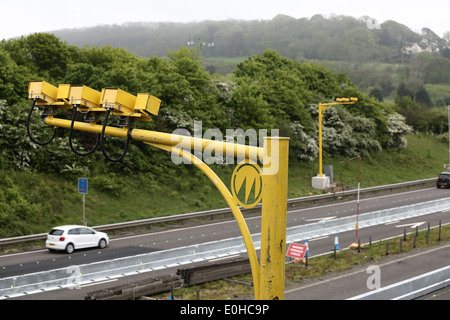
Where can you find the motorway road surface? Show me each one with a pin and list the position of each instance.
(29, 262)
(393, 269)
(443, 294)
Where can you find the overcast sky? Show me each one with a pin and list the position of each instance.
(24, 17)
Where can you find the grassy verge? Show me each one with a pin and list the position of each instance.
(317, 267)
(33, 203)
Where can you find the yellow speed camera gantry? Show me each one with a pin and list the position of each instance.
(91, 104)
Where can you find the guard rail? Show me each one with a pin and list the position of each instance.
(411, 288)
(294, 203)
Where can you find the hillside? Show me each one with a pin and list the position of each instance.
(35, 202)
(377, 58)
(336, 38)
(265, 91)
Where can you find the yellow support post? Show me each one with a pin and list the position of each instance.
(233, 206)
(273, 220)
(269, 277)
(248, 152)
(322, 108)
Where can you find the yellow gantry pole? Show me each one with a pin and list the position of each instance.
(322, 108)
(273, 219)
(321, 112)
(269, 279)
(160, 138)
(233, 206)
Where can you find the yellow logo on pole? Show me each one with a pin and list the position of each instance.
(250, 173)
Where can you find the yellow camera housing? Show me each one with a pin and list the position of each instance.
(46, 94)
(127, 105)
(85, 97)
(147, 104)
(43, 92)
(120, 101)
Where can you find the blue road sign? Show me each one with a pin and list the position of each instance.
(83, 185)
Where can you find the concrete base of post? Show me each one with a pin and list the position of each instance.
(320, 183)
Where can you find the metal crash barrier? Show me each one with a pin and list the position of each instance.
(105, 270)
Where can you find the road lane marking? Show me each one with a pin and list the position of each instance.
(98, 283)
(320, 220)
(320, 238)
(392, 222)
(412, 225)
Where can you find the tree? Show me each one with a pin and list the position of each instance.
(200, 101)
(292, 89)
(437, 71)
(402, 91)
(48, 54)
(376, 93)
(360, 44)
(286, 85)
(13, 79)
(431, 39)
(398, 130)
(23, 154)
(79, 73)
(248, 108)
(422, 97)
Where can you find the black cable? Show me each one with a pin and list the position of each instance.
(29, 132)
(103, 144)
(75, 108)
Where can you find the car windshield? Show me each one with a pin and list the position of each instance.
(56, 232)
(444, 176)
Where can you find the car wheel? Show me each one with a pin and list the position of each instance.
(102, 244)
(70, 248)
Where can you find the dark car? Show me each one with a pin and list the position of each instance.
(443, 180)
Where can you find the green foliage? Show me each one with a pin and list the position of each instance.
(437, 71)
(377, 60)
(13, 78)
(343, 135)
(288, 86)
(334, 38)
(267, 91)
(249, 109)
(422, 97)
(418, 110)
(397, 131)
(16, 150)
(291, 89)
(28, 202)
(439, 94)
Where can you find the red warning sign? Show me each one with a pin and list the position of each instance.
(296, 251)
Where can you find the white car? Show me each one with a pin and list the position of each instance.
(69, 238)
